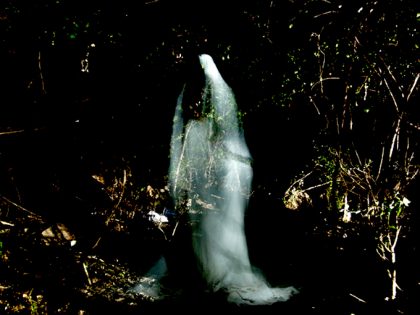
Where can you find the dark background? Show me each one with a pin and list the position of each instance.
(60, 125)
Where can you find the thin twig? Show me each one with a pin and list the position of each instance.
(86, 273)
(395, 138)
(41, 76)
(325, 13)
(122, 189)
(4, 133)
(13, 132)
(297, 181)
(358, 157)
(313, 103)
(380, 164)
(317, 186)
(324, 79)
(178, 168)
(388, 68)
(120, 197)
(97, 242)
(357, 298)
(20, 207)
(394, 100)
(175, 228)
(413, 86)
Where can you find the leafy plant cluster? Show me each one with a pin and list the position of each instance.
(362, 84)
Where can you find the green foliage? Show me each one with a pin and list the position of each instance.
(37, 304)
(392, 210)
(326, 167)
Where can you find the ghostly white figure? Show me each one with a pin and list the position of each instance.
(211, 173)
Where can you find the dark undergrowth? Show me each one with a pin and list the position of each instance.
(81, 266)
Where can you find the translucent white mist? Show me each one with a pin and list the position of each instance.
(210, 174)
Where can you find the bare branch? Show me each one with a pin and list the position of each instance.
(357, 298)
(317, 186)
(325, 13)
(413, 86)
(388, 68)
(395, 138)
(380, 164)
(322, 80)
(394, 100)
(297, 181)
(313, 103)
(21, 208)
(41, 75)
(12, 132)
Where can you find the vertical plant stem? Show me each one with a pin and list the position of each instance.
(393, 264)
